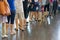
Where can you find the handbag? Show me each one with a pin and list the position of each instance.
(7, 9)
(4, 8)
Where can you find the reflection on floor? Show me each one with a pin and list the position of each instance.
(37, 31)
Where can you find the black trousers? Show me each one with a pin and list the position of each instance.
(26, 11)
(55, 4)
(46, 6)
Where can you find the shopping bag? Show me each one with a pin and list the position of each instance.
(7, 8)
(4, 8)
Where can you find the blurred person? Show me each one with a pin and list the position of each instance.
(34, 9)
(51, 7)
(11, 17)
(3, 20)
(26, 10)
(39, 12)
(46, 6)
(59, 6)
(55, 4)
(20, 15)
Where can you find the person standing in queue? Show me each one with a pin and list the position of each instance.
(20, 15)
(50, 7)
(46, 6)
(55, 5)
(34, 9)
(26, 10)
(11, 17)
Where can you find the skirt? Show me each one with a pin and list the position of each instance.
(3, 19)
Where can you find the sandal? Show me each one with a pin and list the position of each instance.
(13, 33)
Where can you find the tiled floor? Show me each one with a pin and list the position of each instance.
(37, 31)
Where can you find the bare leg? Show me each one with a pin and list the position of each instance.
(12, 30)
(21, 24)
(17, 24)
(31, 15)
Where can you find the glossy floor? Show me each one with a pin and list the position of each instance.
(37, 31)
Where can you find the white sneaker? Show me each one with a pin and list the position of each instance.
(27, 20)
(3, 36)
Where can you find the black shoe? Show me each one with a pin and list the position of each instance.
(16, 29)
(39, 20)
(22, 29)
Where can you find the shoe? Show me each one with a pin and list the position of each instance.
(4, 36)
(16, 29)
(27, 20)
(22, 29)
(13, 33)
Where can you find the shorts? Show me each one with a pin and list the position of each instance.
(20, 15)
(3, 19)
(11, 17)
